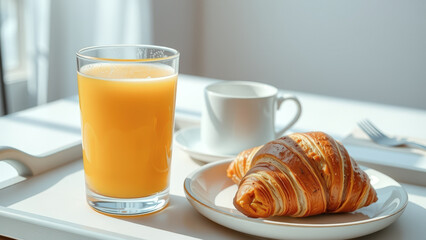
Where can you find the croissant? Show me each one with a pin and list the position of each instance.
(299, 175)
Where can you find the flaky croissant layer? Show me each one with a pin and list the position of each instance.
(299, 175)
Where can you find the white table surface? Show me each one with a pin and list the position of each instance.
(46, 128)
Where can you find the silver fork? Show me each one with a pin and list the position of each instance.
(379, 137)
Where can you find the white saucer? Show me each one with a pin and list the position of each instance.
(188, 139)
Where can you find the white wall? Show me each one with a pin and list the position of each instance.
(178, 24)
(81, 23)
(367, 50)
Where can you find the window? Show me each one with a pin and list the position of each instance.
(12, 43)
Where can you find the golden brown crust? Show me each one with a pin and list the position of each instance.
(242, 163)
(299, 175)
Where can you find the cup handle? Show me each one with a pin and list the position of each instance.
(296, 117)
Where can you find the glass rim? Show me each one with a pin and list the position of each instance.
(80, 53)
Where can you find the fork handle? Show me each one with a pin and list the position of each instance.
(416, 145)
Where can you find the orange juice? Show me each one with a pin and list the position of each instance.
(127, 113)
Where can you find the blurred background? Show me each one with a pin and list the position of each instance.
(365, 50)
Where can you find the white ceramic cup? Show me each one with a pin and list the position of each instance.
(238, 115)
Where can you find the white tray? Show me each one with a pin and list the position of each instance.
(52, 205)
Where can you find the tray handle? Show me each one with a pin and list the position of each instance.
(30, 165)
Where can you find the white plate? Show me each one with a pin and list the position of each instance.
(210, 192)
(188, 139)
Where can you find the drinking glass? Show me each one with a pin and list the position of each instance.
(127, 99)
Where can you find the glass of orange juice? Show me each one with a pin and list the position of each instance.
(127, 99)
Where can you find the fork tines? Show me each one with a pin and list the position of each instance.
(370, 129)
